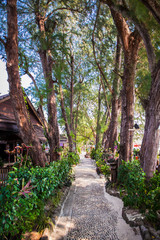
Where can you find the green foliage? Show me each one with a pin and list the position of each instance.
(17, 213)
(96, 153)
(153, 197)
(140, 193)
(28, 188)
(101, 163)
(103, 167)
(73, 158)
(132, 178)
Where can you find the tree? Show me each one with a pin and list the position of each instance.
(46, 28)
(154, 7)
(27, 132)
(130, 42)
(102, 42)
(111, 134)
(150, 141)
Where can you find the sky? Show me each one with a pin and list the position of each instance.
(4, 86)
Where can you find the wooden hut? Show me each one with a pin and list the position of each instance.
(9, 133)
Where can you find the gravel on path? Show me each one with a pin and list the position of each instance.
(89, 213)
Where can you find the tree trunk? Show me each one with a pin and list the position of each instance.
(65, 119)
(130, 41)
(127, 115)
(154, 7)
(24, 124)
(53, 130)
(53, 137)
(150, 143)
(127, 119)
(72, 93)
(71, 100)
(98, 118)
(76, 120)
(111, 134)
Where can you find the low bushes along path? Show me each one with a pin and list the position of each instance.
(89, 213)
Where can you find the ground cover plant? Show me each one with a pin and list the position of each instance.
(23, 198)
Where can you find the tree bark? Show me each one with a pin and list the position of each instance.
(72, 93)
(127, 116)
(111, 133)
(130, 41)
(46, 60)
(24, 124)
(154, 7)
(149, 148)
(76, 120)
(98, 128)
(150, 143)
(66, 120)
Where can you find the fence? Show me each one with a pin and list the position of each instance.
(4, 174)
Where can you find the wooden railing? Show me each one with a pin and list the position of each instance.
(4, 175)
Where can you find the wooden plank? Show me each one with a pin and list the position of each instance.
(4, 175)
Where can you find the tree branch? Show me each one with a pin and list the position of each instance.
(3, 42)
(94, 52)
(145, 36)
(106, 102)
(118, 74)
(154, 8)
(60, 9)
(140, 27)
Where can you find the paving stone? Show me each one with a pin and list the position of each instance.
(87, 214)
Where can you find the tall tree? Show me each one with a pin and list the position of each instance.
(112, 133)
(101, 41)
(27, 132)
(150, 141)
(67, 127)
(130, 42)
(46, 26)
(98, 128)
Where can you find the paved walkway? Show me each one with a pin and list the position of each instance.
(89, 213)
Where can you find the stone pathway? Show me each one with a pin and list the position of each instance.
(89, 213)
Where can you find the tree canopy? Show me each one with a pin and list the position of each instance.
(81, 77)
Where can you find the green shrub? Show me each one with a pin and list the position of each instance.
(153, 197)
(132, 178)
(103, 167)
(73, 158)
(18, 212)
(28, 188)
(140, 193)
(99, 156)
(96, 154)
(92, 154)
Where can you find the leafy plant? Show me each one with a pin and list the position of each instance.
(96, 154)
(140, 193)
(28, 188)
(73, 158)
(153, 197)
(132, 178)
